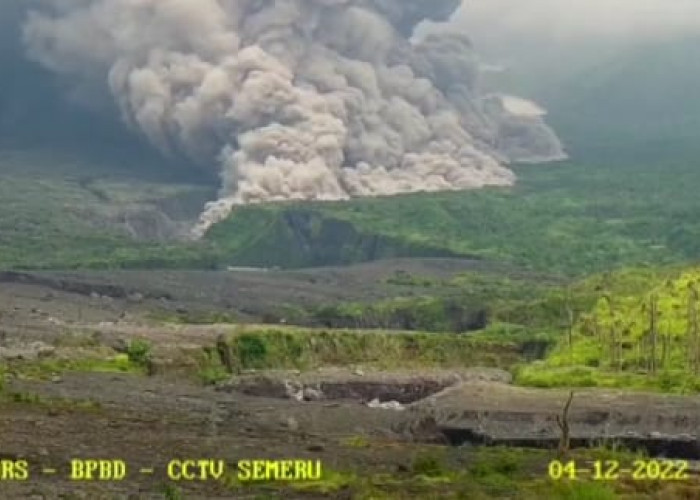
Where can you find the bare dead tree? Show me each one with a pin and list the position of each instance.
(653, 330)
(563, 423)
(225, 354)
(620, 335)
(664, 350)
(693, 333)
(596, 328)
(570, 316)
(613, 340)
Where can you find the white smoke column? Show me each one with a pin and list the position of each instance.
(291, 99)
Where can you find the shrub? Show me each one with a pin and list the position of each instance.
(139, 352)
(428, 464)
(252, 351)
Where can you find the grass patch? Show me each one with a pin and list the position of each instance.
(304, 349)
(356, 442)
(35, 400)
(428, 464)
(48, 368)
(539, 375)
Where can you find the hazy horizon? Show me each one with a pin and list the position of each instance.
(577, 20)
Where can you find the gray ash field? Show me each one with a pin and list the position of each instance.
(76, 388)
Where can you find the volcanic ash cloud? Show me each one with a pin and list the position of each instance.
(294, 99)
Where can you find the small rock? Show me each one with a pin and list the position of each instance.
(43, 452)
(294, 390)
(389, 405)
(310, 394)
(359, 373)
(56, 379)
(94, 295)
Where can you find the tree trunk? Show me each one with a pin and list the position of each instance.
(693, 333)
(563, 423)
(570, 325)
(653, 332)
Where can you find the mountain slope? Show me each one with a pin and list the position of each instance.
(640, 105)
(91, 196)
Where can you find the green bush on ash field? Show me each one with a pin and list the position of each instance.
(139, 352)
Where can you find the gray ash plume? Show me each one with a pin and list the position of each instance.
(293, 99)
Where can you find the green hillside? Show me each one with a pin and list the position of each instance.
(566, 219)
(639, 105)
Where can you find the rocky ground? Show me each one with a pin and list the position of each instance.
(325, 414)
(148, 421)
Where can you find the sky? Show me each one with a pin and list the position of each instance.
(542, 43)
(571, 20)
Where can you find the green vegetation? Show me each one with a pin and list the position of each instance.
(26, 398)
(356, 442)
(642, 333)
(467, 302)
(171, 492)
(434, 314)
(45, 369)
(61, 210)
(304, 349)
(566, 219)
(139, 352)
